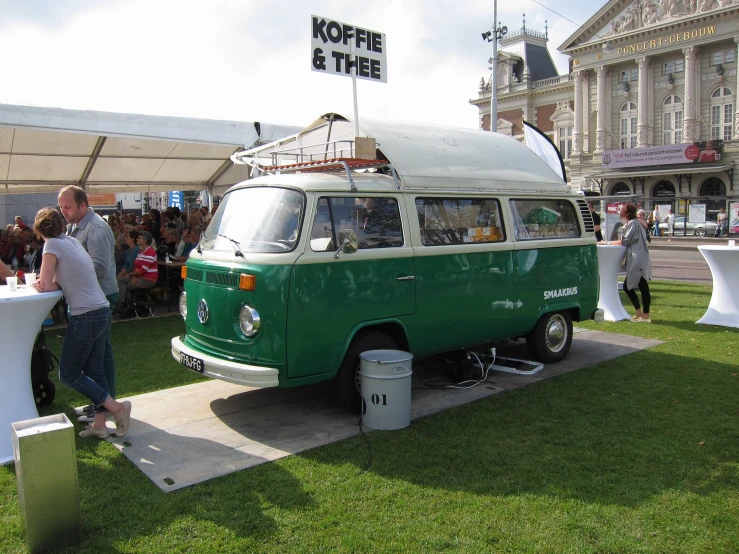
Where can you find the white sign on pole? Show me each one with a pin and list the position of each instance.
(697, 213)
(338, 47)
(664, 211)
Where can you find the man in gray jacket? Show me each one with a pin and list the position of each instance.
(96, 237)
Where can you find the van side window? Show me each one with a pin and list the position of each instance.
(321, 237)
(459, 220)
(544, 218)
(375, 220)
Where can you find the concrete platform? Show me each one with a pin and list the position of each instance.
(186, 435)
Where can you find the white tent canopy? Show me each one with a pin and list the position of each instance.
(43, 149)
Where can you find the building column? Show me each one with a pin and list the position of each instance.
(642, 122)
(736, 106)
(692, 73)
(601, 133)
(577, 131)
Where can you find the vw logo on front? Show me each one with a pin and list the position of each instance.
(202, 311)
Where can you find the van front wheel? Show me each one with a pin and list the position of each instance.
(347, 380)
(550, 340)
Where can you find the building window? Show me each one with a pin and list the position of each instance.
(664, 189)
(722, 113)
(564, 135)
(672, 120)
(722, 57)
(713, 186)
(628, 125)
(504, 127)
(620, 188)
(676, 66)
(629, 75)
(562, 120)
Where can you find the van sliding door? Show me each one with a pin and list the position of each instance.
(464, 274)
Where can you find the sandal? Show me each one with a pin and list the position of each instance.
(92, 432)
(124, 420)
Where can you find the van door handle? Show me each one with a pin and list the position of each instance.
(407, 278)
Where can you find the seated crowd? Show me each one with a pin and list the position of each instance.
(140, 242)
(20, 248)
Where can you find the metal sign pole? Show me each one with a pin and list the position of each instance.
(492, 36)
(494, 76)
(354, 91)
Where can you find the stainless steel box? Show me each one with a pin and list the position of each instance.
(48, 489)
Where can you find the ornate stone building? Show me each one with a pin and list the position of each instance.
(529, 89)
(646, 77)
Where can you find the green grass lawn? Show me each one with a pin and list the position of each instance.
(639, 454)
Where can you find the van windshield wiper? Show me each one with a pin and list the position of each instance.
(236, 244)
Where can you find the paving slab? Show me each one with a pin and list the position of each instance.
(186, 435)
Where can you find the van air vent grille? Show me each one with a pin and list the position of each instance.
(587, 217)
(222, 279)
(194, 274)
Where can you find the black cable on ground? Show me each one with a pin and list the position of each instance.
(369, 448)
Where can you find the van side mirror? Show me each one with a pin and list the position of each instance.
(349, 243)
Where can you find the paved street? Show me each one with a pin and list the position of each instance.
(680, 265)
(680, 260)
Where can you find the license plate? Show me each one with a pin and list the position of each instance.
(196, 364)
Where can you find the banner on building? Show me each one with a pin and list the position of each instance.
(734, 217)
(101, 199)
(176, 199)
(338, 47)
(707, 151)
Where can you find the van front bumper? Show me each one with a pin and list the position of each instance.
(232, 372)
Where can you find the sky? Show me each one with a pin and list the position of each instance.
(250, 60)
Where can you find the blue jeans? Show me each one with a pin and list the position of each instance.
(83, 351)
(108, 359)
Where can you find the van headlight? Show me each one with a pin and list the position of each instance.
(183, 304)
(249, 321)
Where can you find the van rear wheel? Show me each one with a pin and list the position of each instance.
(348, 380)
(550, 340)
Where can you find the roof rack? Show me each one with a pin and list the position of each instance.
(347, 164)
(313, 158)
(314, 152)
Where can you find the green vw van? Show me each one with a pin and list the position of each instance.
(433, 239)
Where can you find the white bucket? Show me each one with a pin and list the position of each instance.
(385, 380)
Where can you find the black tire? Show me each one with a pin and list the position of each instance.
(700, 232)
(551, 339)
(44, 394)
(347, 380)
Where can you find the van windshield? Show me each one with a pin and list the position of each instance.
(256, 219)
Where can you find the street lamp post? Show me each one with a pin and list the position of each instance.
(493, 36)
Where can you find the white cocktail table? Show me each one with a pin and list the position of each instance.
(21, 313)
(610, 257)
(723, 262)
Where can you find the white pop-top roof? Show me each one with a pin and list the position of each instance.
(433, 157)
